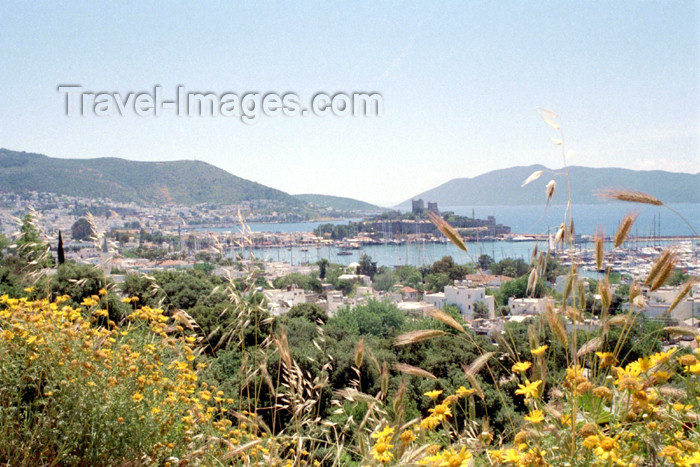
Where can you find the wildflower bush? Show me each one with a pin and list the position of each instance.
(78, 390)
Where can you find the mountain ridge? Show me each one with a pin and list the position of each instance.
(339, 203)
(126, 180)
(503, 186)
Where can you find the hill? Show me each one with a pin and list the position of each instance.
(502, 187)
(181, 182)
(338, 203)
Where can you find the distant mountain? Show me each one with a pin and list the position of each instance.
(338, 203)
(502, 187)
(181, 182)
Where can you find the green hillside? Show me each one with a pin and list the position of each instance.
(181, 182)
(503, 187)
(338, 203)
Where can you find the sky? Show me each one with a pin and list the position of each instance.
(460, 83)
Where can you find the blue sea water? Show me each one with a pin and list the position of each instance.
(535, 219)
(522, 220)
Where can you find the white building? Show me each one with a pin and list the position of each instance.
(436, 299)
(528, 306)
(280, 301)
(465, 298)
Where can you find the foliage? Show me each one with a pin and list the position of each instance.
(82, 230)
(296, 279)
(309, 311)
(87, 395)
(367, 267)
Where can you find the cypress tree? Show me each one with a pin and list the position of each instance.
(61, 255)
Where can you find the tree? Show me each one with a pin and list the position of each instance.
(517, 288)
(446, 265)
(299, 280)
(31, 249)
(61, 254)
(510, 267)
(367, 267)
(437, 281)
(322, 265)
(481, 310)
(82, 230)
(678, 278)
(385, 280)
(309, 311)
(484, 262)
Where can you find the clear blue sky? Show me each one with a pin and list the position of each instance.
(460, 82)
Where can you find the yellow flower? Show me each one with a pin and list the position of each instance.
(539, 350)
(607, 449)
(521, 367)
(606, 358)
(529, 389)
(441, 411)
(452, 458)
(102, 292)
(512, 456)
(29, 289)
(663, 357)
(407, 437)
(429, 423)
(464, 392)
(88, 302)
(687, 360)
(536, 416)
(381, 452)
(137, 397)
(433, 394)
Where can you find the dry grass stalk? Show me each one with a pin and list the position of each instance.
(572, 230)
(534, 253)
(556, 326)
(599, 247)
(475, 384)
(590, 346)
(359, 353)
(635, 291)
(620, 320)
(413, 371)
(532, 282)
(418, 336)
(685, 290)
(398, 397)
(605, 296)
(682, 330)
(447, 230)
(624, 228)
(445, 318)
(674, 393)
(503, 344)
(630, 196)
(550, 122)
(581, 292)
(561, 234)
(547, 113)
(574, 314)
(549, 191)
(384, 380)
(662, 268)
(568, 286)
(533, 176)
(476, 366)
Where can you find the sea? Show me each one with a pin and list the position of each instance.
(652, 221)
